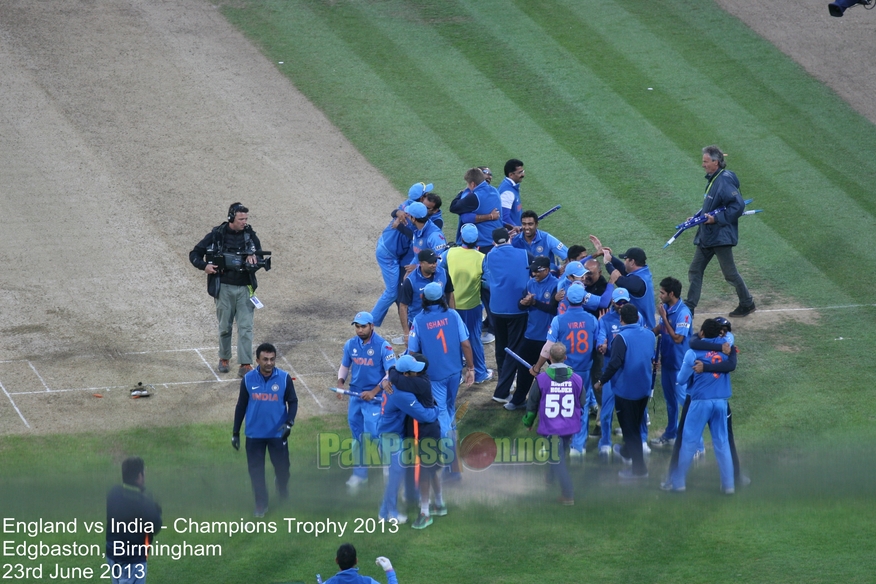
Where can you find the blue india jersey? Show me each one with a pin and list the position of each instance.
(438, 334)
(368, 361)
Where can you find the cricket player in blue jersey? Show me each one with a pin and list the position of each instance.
(537, 303)
(609, 327)
(632, 272)
(576, 330)
(367, 357)
(393, 252)
(708, 393)
(480, 205)
(629, 369)
(346, 560)
(509, 192)
(674, 328)
(539, 243)
(576, 272)
(268, 402)
(397, 405)
(410, 299)
(426, 235)
(439, 333)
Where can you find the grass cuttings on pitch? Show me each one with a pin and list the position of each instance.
(803, 519)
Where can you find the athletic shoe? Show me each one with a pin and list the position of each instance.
(422, 522)
(645, 448)
(400, 518)
(487, 338)
(512, 406)
(605, 453)
(355, 480)
(223, 366)
(437, 510)
(577, 455)
(596, 431)
(260, 512)
(728, 491)
(617, 452)
(741, 311)
(744, 480)
(618, 432)
(662, 441)
(139, 392)
(699, 455)
(501, 400)
(627, 474)
(667, 486)
(244, 369)
(489, 377)
(567, 501)
(398, 340)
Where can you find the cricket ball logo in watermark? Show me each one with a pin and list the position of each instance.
(477, 451)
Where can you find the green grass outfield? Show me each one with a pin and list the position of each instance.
(427, 89)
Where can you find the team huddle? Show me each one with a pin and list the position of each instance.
(578, 331)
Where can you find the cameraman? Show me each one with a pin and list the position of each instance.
(230, 254)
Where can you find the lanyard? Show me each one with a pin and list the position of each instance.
(709, 186)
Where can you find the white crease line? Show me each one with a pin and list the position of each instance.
(292, 369)
(210, 367)
(14, 361)
(329, 361)
(38, 375)
(837, 307)
(111, 387)
(13, 405)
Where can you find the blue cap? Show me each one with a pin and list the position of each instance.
(418, 190)
(575, 293)
(417, 210)
(620, 294)
(469, 233)
(576, 269)
(363, 318)
(407, 363)
(433, 291)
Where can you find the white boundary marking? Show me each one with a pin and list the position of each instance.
(210, 367)
(292, 369)
(13, 405)
(39, 376)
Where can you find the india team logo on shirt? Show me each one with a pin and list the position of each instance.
(370, 352)
(539, 248)
(275, 387)
(546, 294)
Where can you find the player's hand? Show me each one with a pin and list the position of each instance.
(698, 367)
(287, 431)
(602, 348)
(384, 563)
(560, 295)
(725, 348)
(369, 395)
(494, 215)
(469, 377)
(235, 441)
(597, 244)
(597, 386)
(710, 219)
(615, 276)
(533, 371)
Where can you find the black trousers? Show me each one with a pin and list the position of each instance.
(629, 415)
(509, 331)
(278, 450)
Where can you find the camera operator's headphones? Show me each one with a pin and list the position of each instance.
(233, 210)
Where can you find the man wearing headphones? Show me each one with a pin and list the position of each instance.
(229, 256)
